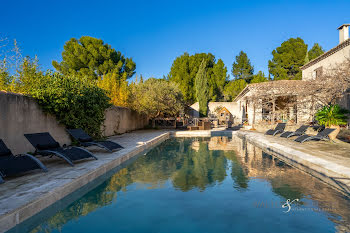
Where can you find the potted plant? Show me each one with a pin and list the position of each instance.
(332, 116)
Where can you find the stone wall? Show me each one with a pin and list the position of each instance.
(120, 120)
(20, 115)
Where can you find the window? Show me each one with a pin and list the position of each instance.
(222, 114)
(318, 72)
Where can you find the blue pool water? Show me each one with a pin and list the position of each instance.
(216, 184)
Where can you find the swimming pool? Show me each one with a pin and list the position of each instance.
(216, 184)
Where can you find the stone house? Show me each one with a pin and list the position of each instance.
(283, 100)
(214, 107)
(224, 115)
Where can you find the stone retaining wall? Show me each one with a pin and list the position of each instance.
(20, 115)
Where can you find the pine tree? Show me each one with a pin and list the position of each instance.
(315, 51)
(242, 68)
(202, 89)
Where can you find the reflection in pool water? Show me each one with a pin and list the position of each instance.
(216, 184)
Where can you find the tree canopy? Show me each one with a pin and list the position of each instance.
(184, 70)
(287, 59)
(92, 57)
(259, 78)
(233, 88)
(156, 97)
(202, 89)
(315, 51)
(242, 68)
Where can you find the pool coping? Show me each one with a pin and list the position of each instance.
(336, 175)
(16, 216)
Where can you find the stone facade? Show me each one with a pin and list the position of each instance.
(232, 107)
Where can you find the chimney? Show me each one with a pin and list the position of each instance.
(343, 33)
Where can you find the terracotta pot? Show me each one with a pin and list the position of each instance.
(334, 134)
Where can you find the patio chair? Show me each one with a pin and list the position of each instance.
(12, 165)
(46, 145)
(85, 140)
(322, 135)
(302, 129)
(279, 129)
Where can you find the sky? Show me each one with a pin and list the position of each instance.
(154, 33)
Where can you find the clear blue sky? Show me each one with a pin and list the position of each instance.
(154, 33)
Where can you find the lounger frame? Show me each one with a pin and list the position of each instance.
(77, 133)
(57, 151)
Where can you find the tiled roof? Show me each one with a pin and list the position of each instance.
(278, 85)
(327, 54)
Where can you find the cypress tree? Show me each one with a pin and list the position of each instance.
(202, 89)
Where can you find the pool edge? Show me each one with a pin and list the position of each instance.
(11, 219)
(317, 167)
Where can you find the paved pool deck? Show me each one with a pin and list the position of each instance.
(329, 161)
(24, 196)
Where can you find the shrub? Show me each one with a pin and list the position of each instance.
(331, 115)
(76, 102)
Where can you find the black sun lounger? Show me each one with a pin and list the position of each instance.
(279, 129)
(13, 165)
(297, 132)
(323, 135)
(85, 140)
(46, 145)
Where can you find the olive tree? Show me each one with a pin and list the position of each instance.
(156, 98)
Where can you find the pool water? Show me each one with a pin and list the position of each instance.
(216, 184)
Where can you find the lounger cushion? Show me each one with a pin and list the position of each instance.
(48, 146)
(270, 132)
(286, 134)
(12, 165)
(301, 138)
(110, 145)
(85, 139)
(74, 153)
(5, 152)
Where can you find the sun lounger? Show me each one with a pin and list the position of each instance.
(279, 129)
(302, 129)
(323, 135)
(85, 140)
(13, 165)
(46, 145)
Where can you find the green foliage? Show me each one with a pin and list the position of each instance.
(217, 81)
(306, 60)
(156, 97)
(242, 68)
(184, 70)
(259, 78)
(233, 88)
(332, 115)
(287, 59)
(315, 51)
(91, 57)
(76, 102)
(202, 89)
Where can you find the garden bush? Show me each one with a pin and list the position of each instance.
(76, 102)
